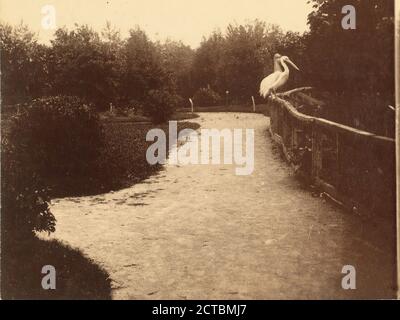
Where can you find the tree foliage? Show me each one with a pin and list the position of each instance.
(177, 59)
(23, 65)
(356, 66)
(237, 60)
(99, 68)
(359, 60)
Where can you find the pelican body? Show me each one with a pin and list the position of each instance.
(278, 78)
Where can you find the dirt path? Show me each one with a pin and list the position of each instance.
(201, 232)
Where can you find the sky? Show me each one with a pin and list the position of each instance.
(185, 20)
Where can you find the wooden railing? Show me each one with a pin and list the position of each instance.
(354, 167)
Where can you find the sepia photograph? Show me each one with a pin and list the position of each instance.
(206, 150)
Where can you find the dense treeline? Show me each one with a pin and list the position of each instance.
(104, 69)
(101, 69)
(351, 69)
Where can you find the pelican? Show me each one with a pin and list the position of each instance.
(278, 78)
(277, 64)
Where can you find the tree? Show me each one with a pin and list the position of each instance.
(24, 70)
(144, 68)
(82, 65)
(355, 66)
(178, 58)
(237, 60)
(207, 64)
(292, 44)
(330, 46)
(113, 46)
(247, 57)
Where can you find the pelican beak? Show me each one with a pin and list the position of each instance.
(293, 65)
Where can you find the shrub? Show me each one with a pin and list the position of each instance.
(160, 105)
(180, 102)
(48, 141)
(205, 97)
(24, 199)
(58, 136)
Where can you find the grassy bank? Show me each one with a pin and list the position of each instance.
(109, 117)
(260, 108)
(122, 162)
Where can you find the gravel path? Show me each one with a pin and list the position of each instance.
(201, 232)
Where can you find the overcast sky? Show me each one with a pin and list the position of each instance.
(186, 20)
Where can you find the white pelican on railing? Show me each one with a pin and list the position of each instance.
(278, 78)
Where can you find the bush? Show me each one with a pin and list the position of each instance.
(24, 198)
(58, 136)
(160, 105)
(180, 102)
(206, 97)
(48, 141)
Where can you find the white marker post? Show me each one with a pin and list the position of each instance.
(191, 105)
(254, 104)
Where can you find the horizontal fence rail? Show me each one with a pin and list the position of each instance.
(352, 166)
